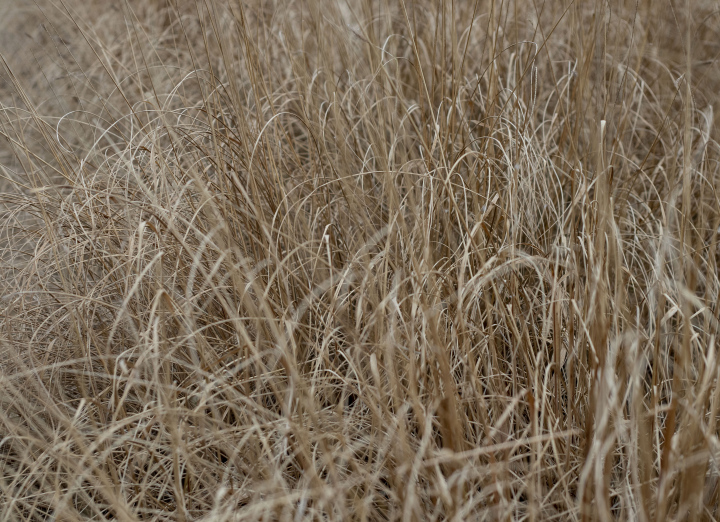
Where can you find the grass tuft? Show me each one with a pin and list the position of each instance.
(328, 260)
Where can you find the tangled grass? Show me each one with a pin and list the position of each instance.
(327, 260)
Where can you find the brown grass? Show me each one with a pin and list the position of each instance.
(328, 260)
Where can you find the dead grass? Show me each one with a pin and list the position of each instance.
(410, 260)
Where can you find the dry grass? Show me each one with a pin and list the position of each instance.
(369, 260)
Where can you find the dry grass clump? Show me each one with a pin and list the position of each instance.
(360, 261)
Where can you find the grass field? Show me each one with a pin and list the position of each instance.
(359, 260)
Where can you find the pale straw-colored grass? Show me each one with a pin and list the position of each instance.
(327, 260)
